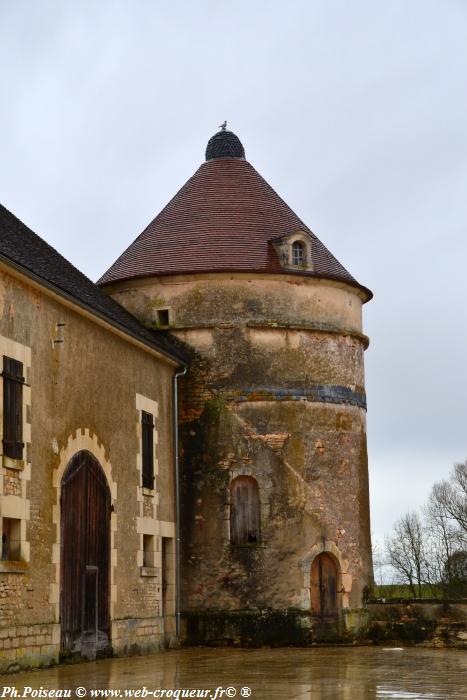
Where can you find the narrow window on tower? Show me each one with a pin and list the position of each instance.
(298, 253)
(244, 511)
(13, 381)
(147, 431)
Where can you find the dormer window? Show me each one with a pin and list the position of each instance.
(298, 253)
(294, 251)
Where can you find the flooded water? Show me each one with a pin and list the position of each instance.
(349, 673)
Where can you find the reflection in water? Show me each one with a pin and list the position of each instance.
(403, 694)
(346, 673)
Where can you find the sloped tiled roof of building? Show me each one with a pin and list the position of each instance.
(24, 249)
(223, 219)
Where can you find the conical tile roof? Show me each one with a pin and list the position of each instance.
(223, 219)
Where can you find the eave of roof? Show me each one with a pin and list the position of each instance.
(367, 294)
(25, 252)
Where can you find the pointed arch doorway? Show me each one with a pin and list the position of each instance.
(85, 507)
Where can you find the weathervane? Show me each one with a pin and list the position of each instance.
(223, 126)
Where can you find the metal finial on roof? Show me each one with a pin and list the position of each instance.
(223, 126)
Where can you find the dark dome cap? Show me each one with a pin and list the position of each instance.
(224, 144)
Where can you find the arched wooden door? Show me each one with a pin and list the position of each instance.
(324, 577)
(85, 557)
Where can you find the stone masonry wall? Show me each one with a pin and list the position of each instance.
(26, 646)
(276, 393)
(426, 623)
(137, 636)
(82, 384)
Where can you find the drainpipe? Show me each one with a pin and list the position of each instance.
(177, 502)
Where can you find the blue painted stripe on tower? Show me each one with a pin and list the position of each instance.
(323, 393)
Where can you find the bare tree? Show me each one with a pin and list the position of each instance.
(451, 497)
(378, 565)
(406, 552)
(458, 574)
(446, 513)
(443, 541)
(434, 554)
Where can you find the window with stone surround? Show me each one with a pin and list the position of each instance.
(148, 550)
(15, 471)
(294, 251)
(162, 318)
(244, 511)
(11, 539)
(13, 381)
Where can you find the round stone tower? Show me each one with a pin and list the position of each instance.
(275, 511)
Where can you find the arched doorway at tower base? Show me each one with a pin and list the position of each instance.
(324, 596)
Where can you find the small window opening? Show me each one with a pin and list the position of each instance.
(298, 253)
(147, 429)
(162, 317)
(11, 539)
(244, 511)
(148, 550)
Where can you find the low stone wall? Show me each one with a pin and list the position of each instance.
(33, 646)
(427, 623)
(29, 646)
(137, 636)
(247, 628)
(431, 623)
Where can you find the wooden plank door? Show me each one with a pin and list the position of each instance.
(244, 511)
(85, 555)
(324, 586)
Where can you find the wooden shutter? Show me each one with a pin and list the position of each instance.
(244, 511)
(147, 425)
(13, 381)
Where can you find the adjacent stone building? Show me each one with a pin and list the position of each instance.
(232, 298)
(275, 511)
(87, 538)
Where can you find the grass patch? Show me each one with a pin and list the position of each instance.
(401, 590)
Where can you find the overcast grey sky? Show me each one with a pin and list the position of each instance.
(355, 112)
